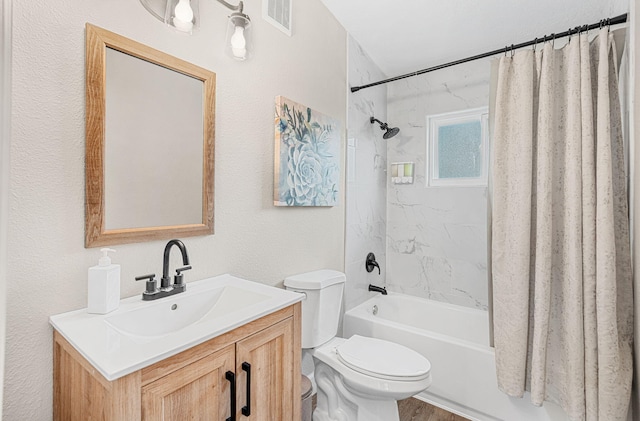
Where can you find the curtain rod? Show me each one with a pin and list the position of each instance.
(605, 22)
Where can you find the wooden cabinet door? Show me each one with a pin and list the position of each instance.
(196, 392)
(270, 354)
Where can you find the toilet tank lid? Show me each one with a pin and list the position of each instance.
(315, 280)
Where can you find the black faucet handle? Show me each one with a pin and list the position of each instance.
(151, 282)
(182, 269)
(371, 263)
(375, 264)
(178, 280)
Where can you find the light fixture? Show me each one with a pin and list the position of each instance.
(238, 33)
(183, 15)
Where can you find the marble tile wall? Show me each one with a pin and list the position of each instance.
(430, 241)
(436, 236)
(366, 200)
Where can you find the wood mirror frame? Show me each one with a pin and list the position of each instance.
(97, 41)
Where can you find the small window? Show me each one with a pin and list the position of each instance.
(457, 148)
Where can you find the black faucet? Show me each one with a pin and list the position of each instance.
(166, 289)
(165, 280)
(374, 288)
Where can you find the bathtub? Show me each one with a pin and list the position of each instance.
(455, 339)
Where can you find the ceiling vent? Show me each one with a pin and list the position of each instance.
(278, 13)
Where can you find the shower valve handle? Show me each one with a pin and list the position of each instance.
(371, 263)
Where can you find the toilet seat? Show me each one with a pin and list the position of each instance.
(367, 385)
(383, 359)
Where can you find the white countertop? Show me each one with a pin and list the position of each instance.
(115, 353)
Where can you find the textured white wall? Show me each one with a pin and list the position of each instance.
(366, 178)
(436, 236)
(5, 135)
(634, 191)
(47, 262)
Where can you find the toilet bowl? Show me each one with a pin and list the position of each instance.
(359, 378)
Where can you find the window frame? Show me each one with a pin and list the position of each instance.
(434, 122)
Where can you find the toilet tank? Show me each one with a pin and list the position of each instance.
(322, 305)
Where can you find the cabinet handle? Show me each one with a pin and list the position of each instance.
(246, 410)
(229, 375)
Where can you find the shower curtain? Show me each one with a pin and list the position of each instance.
(561, 264)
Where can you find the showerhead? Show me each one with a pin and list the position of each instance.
(390, 131)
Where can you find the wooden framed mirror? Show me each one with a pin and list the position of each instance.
(149, 143)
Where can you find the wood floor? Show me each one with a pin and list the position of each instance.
(415, 410)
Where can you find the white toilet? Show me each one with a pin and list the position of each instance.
(360, 378)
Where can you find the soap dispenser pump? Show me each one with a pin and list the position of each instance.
(104, 285)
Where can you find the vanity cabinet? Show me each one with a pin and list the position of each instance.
(197, 391)
(262, 358)
(268, 353)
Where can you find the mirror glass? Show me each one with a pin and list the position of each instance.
(149, 143)
(153, 138)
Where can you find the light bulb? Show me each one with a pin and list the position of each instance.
(183, 16)
(238, 43)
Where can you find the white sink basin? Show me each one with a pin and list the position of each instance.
(173, 313)
(140, 333)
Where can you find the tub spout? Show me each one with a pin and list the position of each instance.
(374, 288)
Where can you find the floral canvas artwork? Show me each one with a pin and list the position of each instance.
(307, 156)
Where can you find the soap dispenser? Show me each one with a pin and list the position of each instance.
(104, 285)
